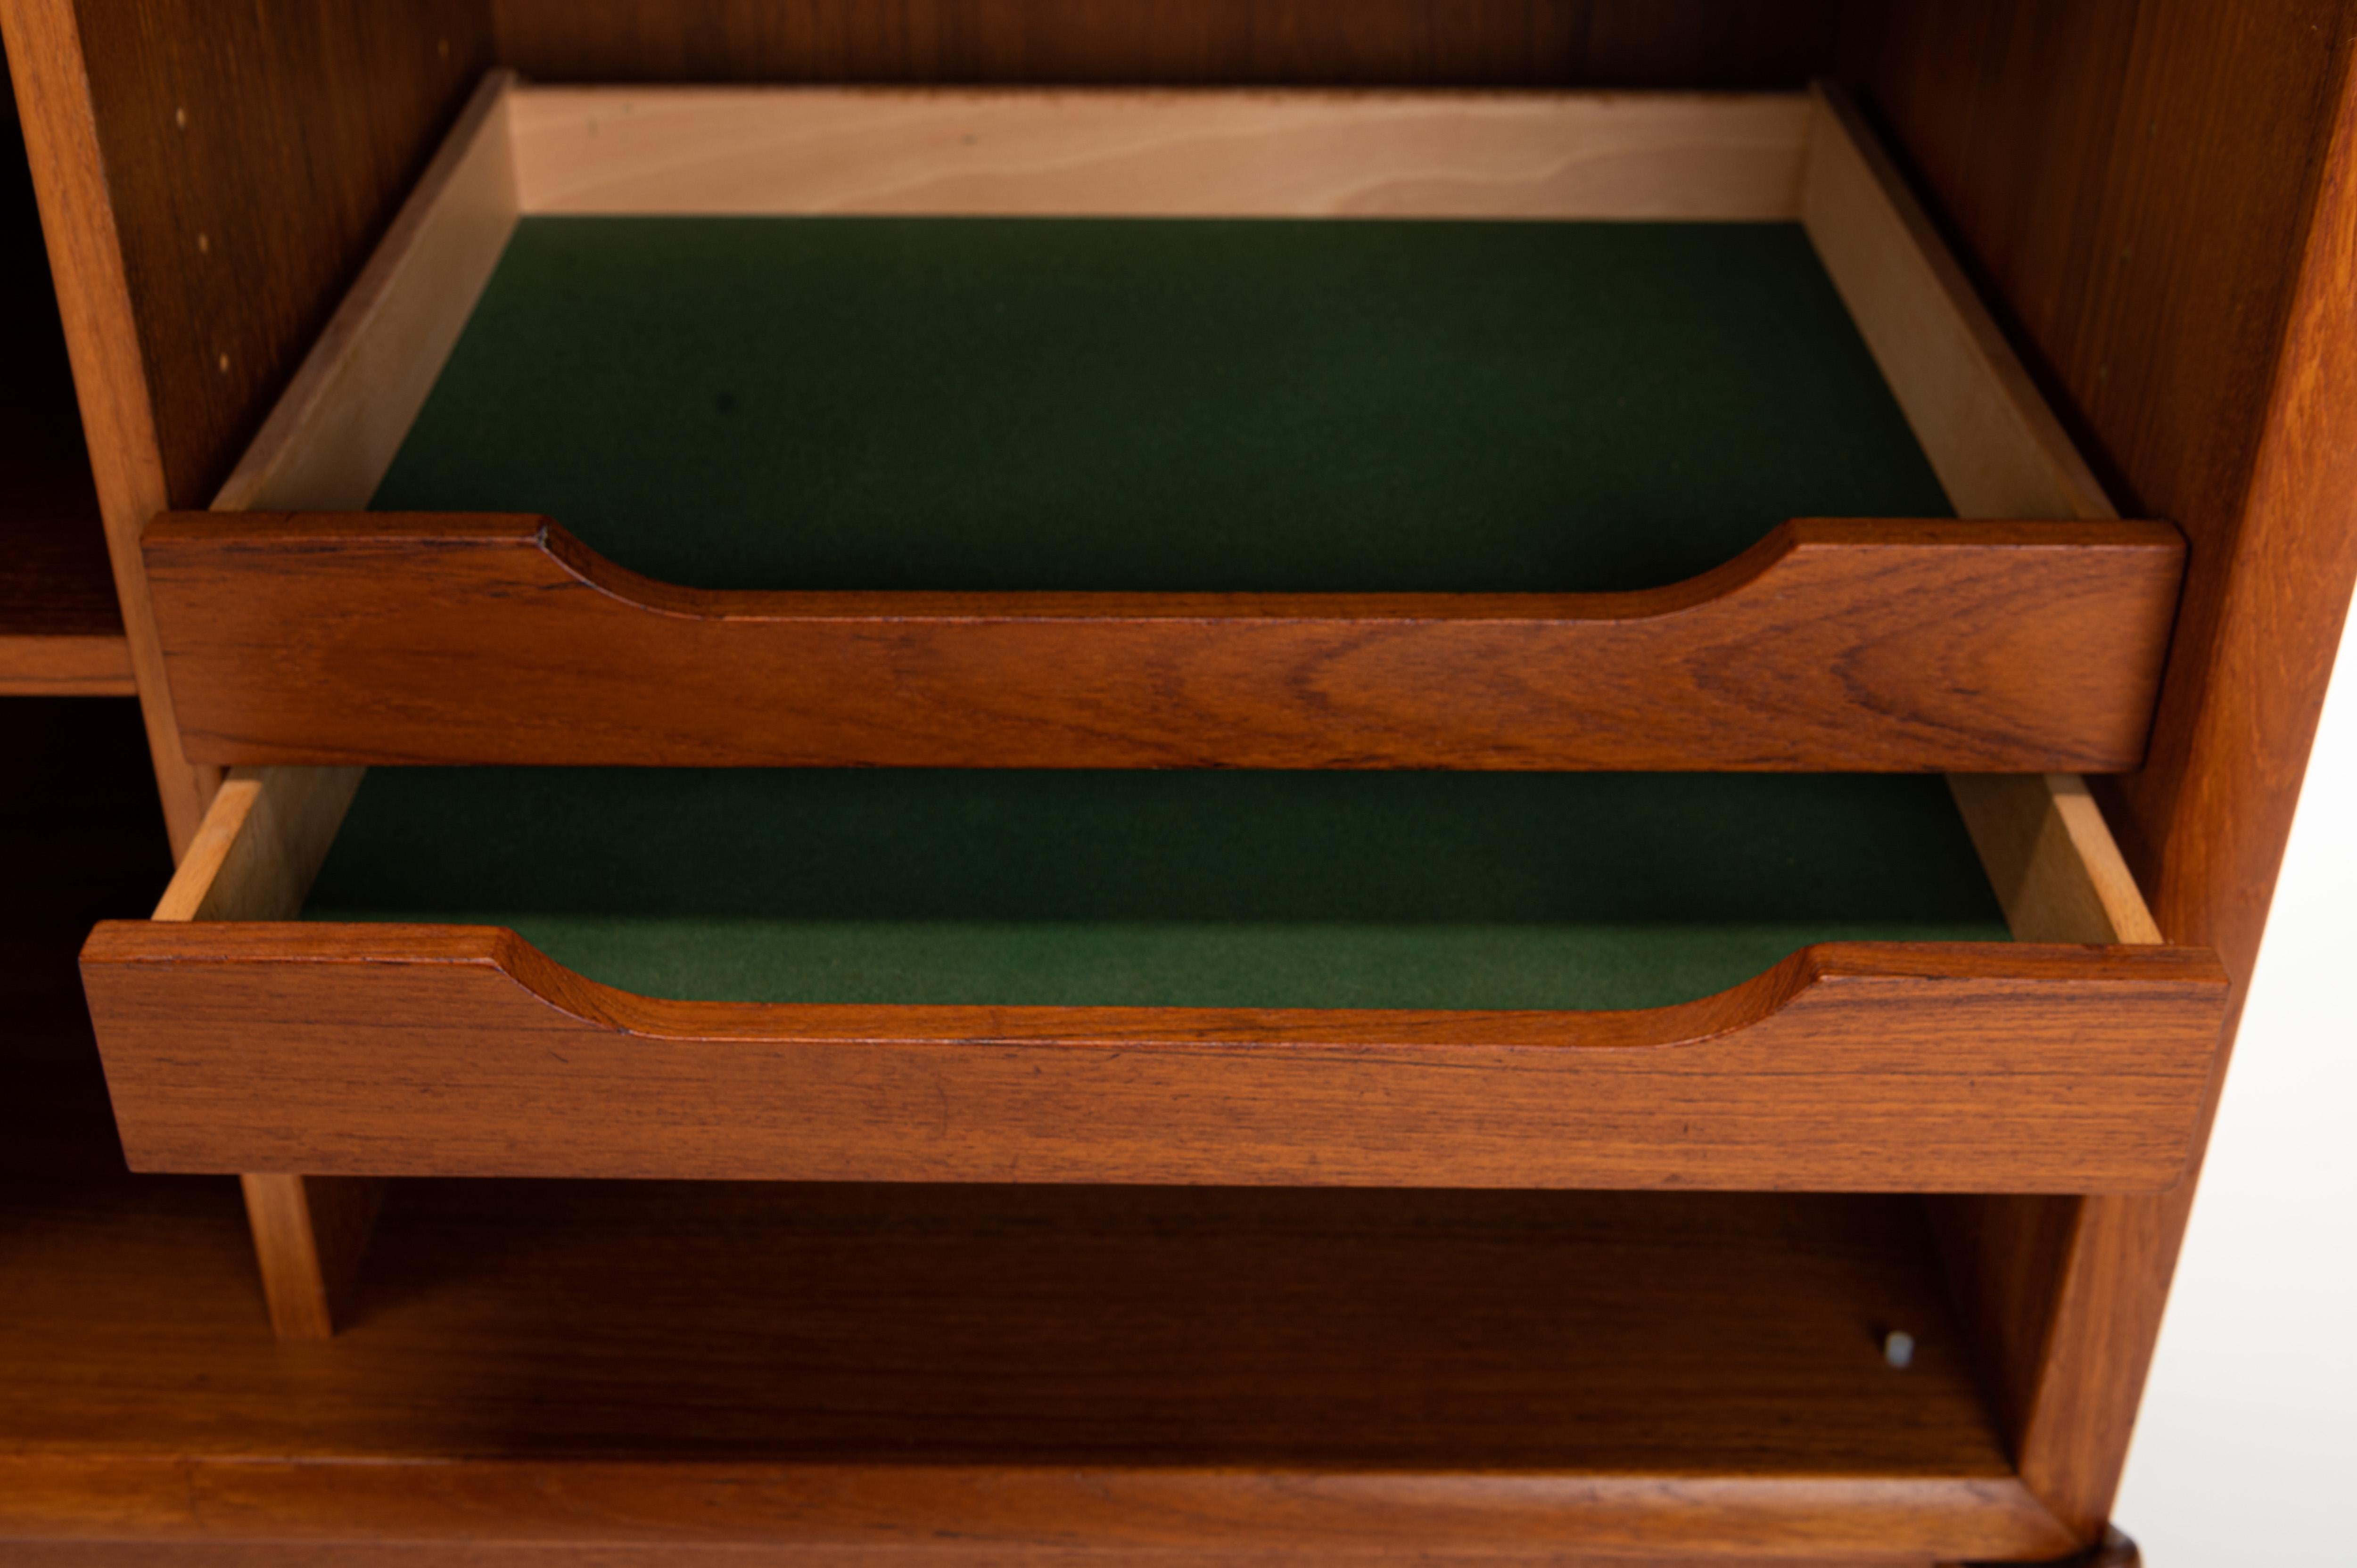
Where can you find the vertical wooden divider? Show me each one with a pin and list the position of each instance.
(2219, 846)
(53, 98)
(2028, 1272)
(309, 1234)
(252, 858)
(2166, 191)
(353, 400)
(2061, 877)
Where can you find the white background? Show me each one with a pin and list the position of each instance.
(2246, 1450)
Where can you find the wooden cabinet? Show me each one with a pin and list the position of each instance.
(1199, 1164)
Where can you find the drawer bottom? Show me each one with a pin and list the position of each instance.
(1161, 890)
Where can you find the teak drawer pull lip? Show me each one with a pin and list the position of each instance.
(1698, 1022)
(1833, 644)
(391, 1050)
(1763, 569)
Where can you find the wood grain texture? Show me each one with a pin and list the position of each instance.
(1435, 43)
(1833, 645)
(58, 620)
(2062, 878)
(334, 431)
(261, 845)
(2052, 860)
(496, 1399)
(545, 1373)
(2158, 306)
(1997, 448)
(1819, 656)
(2163, 193)
(560, 1372)
(64, 664)
(331, 436)
(209, 180)
(2004, 1253)
(1143, 153)
(254, 858)
(56, 585)
(309, 1235)
(567, 1372)
(254, 156)
(2137, 181)
(2279, 621)
(993, 1375)
(56, 108)
(842, 1516)
(61, 631)
(389, 1049)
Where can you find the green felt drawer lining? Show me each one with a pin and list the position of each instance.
(1170, 889)
(1161, 404)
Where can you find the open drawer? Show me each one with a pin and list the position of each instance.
(1397, 979)
(891, 428)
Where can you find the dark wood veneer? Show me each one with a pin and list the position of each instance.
(61, 631)
(1496, 43)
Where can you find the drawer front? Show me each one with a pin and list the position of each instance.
(408, 1049)
(1834, 646)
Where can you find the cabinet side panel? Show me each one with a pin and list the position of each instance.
(2160, 192)
(254, 154)
(53, 94)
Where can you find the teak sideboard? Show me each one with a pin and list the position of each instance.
(1052, 780)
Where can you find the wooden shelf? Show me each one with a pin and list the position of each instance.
(1013, 1324)
(976, 1370)
(547, 1366)
(61, 631)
